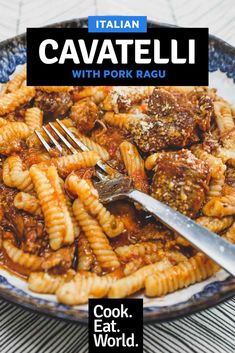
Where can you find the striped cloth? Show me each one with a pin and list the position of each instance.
(211, 331)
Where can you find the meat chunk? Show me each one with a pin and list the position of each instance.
(84, 113)
(53, 104)
(60, 259)
(173, 120)
(181, 181)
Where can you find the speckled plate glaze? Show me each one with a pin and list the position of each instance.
(186, 301)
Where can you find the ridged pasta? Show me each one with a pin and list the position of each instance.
(85, 253)
(15, 176)
(22, 258)
(58, 220)
(33, 140)
(97, 94)
(55, 88)
(82, 287)
(43, 282)
(196, 269)
(134, 165)
(16, 81)
(217, 171)
(11, 135)
(215, 225)
(131, 284)
(127, 252)
(224, 120)
(92, 145)
(220, 206)
(99, 243)
(122, 121)
(10, 101)
(28, 203)
(109, 223)
(67, 164)
(34, 119)
(230, 234)
(3, 122)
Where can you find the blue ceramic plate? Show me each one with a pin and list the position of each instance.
(183, 302)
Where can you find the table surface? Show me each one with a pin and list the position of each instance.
(211, 331)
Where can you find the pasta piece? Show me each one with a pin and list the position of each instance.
(58, 220)
(215, 225)
(99, 244)
(97, 93)
(41, 282)
(10, 101)
(34, 119)
(225, 124)
(122, 121)
(230, 234)
(55, 88)
(133, 266)
(126, 252)
(220, 206)
(196, 269)
(28, 203)
(217, 171)
(134, 165)
(16, 81)
(33, 139)
(11, 135)
(85, 253)
(82, 287)
(18, 256)
(67, 164)
(151, 161)
(80, 187)
(91, 145)
(131, 284)
(15, 176)
(3, 122)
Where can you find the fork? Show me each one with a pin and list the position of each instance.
(114, 186)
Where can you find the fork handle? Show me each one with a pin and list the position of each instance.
(217, 248)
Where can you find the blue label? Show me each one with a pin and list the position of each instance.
(117, 24)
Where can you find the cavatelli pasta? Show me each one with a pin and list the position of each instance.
(196, 269)
(43, 282)
(82, 287)
(97, 94)
(22, 258)
(28, 203)
(11, 135)
(10, 101)
(33, 140)
(131, 284)
(34, 119)
(224, 120)
(91, 145)
(127, 252)
(67, 164)
(3, 122)
(215, 225)
(220, 206)
(16, 81)
(122, 121)
(230, 234)
(55, 88)
(85, 253)
(99, 243)
(134, 165)
(58, 220)
(15, 176)
(80, 187)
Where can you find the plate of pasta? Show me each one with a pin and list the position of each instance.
(59, 245)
